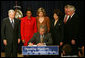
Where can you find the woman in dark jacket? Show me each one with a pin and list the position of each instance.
(57, 28)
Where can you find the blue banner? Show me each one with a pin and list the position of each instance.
(40, 50)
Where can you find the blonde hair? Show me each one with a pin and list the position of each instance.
(41, 10)
(71, 7)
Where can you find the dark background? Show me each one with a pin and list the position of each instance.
(49, 6)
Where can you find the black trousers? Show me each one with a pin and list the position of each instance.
(11, 50)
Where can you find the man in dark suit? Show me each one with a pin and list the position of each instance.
(41, 38)
(71, 27)
(10, 31)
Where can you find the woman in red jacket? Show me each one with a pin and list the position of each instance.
(28, 27)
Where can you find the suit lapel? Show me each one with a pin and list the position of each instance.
(57, 25)
(71, 19)
(9, 23)
(15, 23)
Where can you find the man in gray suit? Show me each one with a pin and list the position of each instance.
(41, 38)
(10, 31)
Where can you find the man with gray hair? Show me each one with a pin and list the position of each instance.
(10, 31)
(71, 27)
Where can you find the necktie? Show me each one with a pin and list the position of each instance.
(69, 17)
(41, 39)
(12, 24)
(65, 20)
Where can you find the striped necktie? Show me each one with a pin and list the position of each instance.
(12, 24)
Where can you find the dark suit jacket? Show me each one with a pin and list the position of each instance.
(10, 34)
(36, 39)
(57, 32)
(71, 28)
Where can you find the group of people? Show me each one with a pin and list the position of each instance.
(40, 30)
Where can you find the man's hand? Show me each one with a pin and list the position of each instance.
(73, 42)
(30, 44)
(23, 41)
(18, 40)
(61, 43)
(5, 42)
(40, 44)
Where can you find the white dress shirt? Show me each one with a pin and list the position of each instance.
(11, 20)
(68, 16)
(55, 22)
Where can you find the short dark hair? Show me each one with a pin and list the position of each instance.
(58, 12)
(43, 27)
(28, 9)
(67, 48)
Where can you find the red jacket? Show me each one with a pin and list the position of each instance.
(28, 28)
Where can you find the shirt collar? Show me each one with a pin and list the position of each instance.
(11, 20)
(66, 15)
(42, 36)
(56, 20)
(72, 15)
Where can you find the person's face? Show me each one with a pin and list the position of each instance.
(42, 31)
(68, 11)
(29, 13)
(11, 15)
(41, 14)
(55, 16)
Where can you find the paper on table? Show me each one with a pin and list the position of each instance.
(36, 45)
